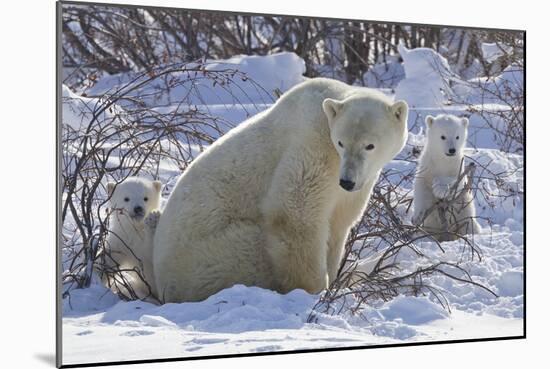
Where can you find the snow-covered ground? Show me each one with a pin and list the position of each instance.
(99, 327)
(249, 319)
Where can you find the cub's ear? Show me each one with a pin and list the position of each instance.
(332, 107)
(157, 185)
(429, 121)
(110, 188)
(400, 110)
(465, 121)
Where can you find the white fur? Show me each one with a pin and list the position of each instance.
(263, 205)
(436, 174)
(130, 238)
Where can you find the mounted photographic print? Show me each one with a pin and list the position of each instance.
(244, 184)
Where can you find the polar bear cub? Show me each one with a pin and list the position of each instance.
(439, 168)
(134, 214)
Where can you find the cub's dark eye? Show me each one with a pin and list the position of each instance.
(340, 144)
(145, 198)
(369, 147)
(443, 137)
(126, 199)
(457, 137)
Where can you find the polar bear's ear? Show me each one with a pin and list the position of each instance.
(332, 107)
(429, 121)
(400, 110)
(157, 185)
(110, 188)
(465, 121)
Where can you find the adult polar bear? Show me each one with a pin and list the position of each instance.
(271, 203)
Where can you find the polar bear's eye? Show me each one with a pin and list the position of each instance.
(369, 147)
(340, 144)
(126, 199)
(443, 137)
(145, 199)
(457, 137)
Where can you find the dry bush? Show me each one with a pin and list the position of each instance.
(121, 136)
(498, 98)
(507, 124)
(381, 238)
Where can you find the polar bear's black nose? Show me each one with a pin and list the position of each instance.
(452, 151)
(347, 185)
(138, 210)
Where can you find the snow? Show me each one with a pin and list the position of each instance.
(426, 74)
(243, 94)
(248, 319)
(430, 88)
(99, 327)
(510, 283)
(493, 51)
(413, 310)
(277, 71)
(385, 75)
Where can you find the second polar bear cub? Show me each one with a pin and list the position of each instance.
(134, 214)
(439, 167)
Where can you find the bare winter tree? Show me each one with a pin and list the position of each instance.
(103, 39)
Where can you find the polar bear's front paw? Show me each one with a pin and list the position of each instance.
(440, 191)
(460, 186)
(152, 219)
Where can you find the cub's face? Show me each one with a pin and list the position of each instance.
(446, 134)
(367, 133)
(134, 197)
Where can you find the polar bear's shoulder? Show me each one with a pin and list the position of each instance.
(330, 88)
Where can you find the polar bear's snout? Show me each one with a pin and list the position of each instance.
(138, 211)
(353, 168)
(349, 176)
(347, 184)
